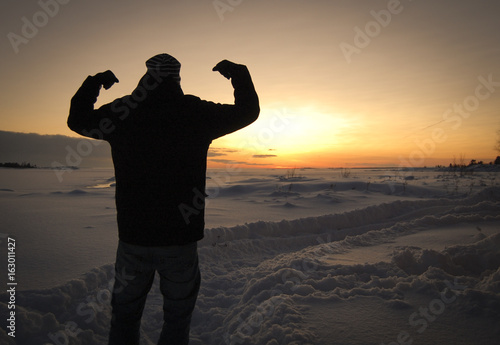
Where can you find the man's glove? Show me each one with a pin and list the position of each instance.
(106, 79)
(228, 69)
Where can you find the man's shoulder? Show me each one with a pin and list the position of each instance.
(192, 98)
(117, 102)
(200, 103)
(195, 102)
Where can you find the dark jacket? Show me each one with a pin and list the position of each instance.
(159, 139)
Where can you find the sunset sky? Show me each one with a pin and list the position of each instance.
(342, 83)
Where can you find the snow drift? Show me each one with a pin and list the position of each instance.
(407, 271)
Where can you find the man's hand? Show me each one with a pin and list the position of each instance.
(106, 79)
(227, 68)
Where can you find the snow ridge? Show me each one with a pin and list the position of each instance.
(261, 279)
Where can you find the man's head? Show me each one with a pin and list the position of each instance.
(164, 65)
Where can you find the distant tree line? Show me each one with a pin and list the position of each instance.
(22, 165)
(461, 164)
(474, 162)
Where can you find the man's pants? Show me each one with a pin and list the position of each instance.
(179, 284)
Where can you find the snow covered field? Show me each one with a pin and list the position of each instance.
(361, 256)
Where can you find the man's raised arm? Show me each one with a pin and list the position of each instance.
(246, 107)
(82, 118)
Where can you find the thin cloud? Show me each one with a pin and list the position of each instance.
(217, 151)
(228, 161)
(264, 156)
(43, 150)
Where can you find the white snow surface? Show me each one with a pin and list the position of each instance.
(376, 256)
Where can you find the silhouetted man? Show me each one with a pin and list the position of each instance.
(159, 139)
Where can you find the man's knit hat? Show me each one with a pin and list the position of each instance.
(165, 65)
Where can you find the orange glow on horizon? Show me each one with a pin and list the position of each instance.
(380, 107)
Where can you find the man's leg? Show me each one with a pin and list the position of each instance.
(133, 280)
(179, 284)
